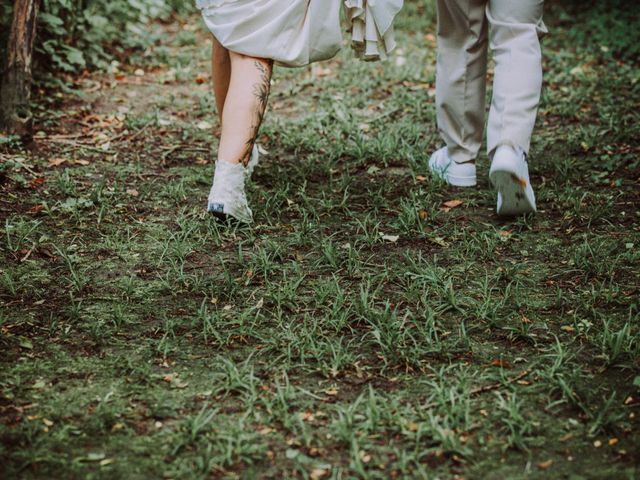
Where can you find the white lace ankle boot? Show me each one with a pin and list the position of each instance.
(227, 197)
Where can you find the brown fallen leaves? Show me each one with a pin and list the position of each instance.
(56, 162)
(36, 208)
(318, 473)
(500, 363)
(36, 182)
(450, 205)
(389, 238)
(173, 380)
(545, 465)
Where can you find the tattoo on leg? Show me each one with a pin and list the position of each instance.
(261, 92)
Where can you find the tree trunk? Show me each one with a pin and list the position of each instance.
(15, 86)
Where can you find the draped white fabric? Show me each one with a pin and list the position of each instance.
(298, 32)
(372, 26)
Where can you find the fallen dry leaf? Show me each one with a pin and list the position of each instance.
(452, 203)
(306, 416)
(545, 465)
(566, 437)
(438, 241)
(314, 452)
(417, 86)
(55, 162)
(318, 473)
(36, 208)
(117, 426)
(36, 182)
(501, 363)
(390, 238)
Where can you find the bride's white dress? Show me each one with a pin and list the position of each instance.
(298, 32)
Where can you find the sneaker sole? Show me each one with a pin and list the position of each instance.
(460, 181)
(516, 197)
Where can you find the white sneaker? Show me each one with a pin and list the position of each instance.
(227, 197)
(457, 174)
(253, 161)
(509, 174)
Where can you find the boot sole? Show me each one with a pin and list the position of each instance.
(224, 216)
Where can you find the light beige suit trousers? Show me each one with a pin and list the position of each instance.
(465, 29)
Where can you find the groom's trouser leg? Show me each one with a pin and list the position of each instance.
(515, 27)
(461, 75)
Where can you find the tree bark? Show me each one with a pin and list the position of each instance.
(15, 84)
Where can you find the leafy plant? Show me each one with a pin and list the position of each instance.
(74, 35)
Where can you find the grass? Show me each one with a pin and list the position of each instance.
(141, 339)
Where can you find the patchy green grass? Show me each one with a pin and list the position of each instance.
(141, 339)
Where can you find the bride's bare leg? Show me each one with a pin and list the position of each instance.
(221, 68)
(244, 106)
(242, 97)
